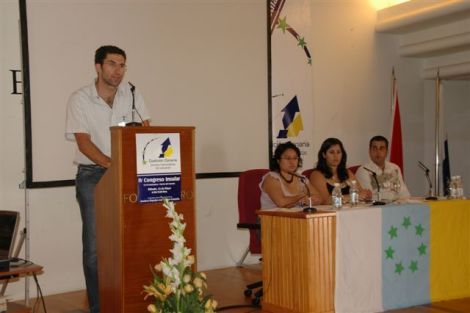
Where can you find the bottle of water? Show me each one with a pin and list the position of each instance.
(453, 188)
(449, 189)
(458, 187)
(354, 193)
(337, 197)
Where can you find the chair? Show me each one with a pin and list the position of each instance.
(307, 172)
(248, 203)
(354, 168)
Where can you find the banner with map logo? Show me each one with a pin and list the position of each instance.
(158, 167)
(291, 75)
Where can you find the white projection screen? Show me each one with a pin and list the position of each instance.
(201, 63)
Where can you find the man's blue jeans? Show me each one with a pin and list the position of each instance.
(85, 183)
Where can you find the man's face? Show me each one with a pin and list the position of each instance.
(111, 72)
(378, 152)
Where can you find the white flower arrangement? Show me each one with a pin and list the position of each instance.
(175, 287)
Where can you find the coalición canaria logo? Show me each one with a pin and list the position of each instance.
(157, 148)
(291, 120)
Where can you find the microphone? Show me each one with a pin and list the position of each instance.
(134, 110)
(132, 87)
(309, 208)
(374, 174)
(431, 195)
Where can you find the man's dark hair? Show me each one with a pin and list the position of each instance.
(103, 51)
(280, 149)
(378, 138)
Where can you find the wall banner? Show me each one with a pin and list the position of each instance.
(291, 72)
(158, 167)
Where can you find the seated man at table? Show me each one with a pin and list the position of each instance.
(388, 175)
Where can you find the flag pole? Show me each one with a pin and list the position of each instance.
(392, 94)
(437, 132)
(392, 108)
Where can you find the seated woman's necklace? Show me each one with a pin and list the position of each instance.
(287, 180)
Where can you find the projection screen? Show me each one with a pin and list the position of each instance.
(201, 63)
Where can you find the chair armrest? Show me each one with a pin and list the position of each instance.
(249, 225)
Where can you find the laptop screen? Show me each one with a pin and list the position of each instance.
(8, 228)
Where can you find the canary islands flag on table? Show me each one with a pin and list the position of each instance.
(402, 255)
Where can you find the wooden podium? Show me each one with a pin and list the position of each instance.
(298, 261)
(132, 236)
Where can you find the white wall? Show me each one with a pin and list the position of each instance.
(351, 87)
(352, 83)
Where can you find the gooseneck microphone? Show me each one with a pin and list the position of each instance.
(431, 195)
(134, 110)
(309, 208)
(374, 174)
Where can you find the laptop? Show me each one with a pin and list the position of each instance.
(8, 230)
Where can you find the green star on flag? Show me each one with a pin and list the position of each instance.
(419, 230)
(282, 24)
(393, 232)
(413, 266)
(301, 42)
(399, 268)
(389, 252)
(422, 249)
(406, 222)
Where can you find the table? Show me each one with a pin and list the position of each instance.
(19, 271)
(365, 259)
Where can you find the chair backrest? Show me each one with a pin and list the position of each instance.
(249, 201)
(354, 168)
(307, 172)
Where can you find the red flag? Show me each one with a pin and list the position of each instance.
(396, 147)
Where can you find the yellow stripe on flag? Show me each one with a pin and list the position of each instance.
(449, 250)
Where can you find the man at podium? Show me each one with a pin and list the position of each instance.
(91, 111)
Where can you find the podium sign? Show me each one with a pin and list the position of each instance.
(158, 161)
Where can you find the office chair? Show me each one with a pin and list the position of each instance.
(248, 203)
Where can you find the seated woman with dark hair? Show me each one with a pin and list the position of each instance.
(331, 168)
(283, 187)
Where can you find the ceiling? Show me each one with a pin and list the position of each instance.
(436, 31)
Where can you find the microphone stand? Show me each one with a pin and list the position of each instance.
(309, 208)
(133, 123)
(431, 195)
(374, 175)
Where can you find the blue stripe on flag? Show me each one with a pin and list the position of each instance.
(405, 255)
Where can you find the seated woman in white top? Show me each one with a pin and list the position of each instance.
(283, 187)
